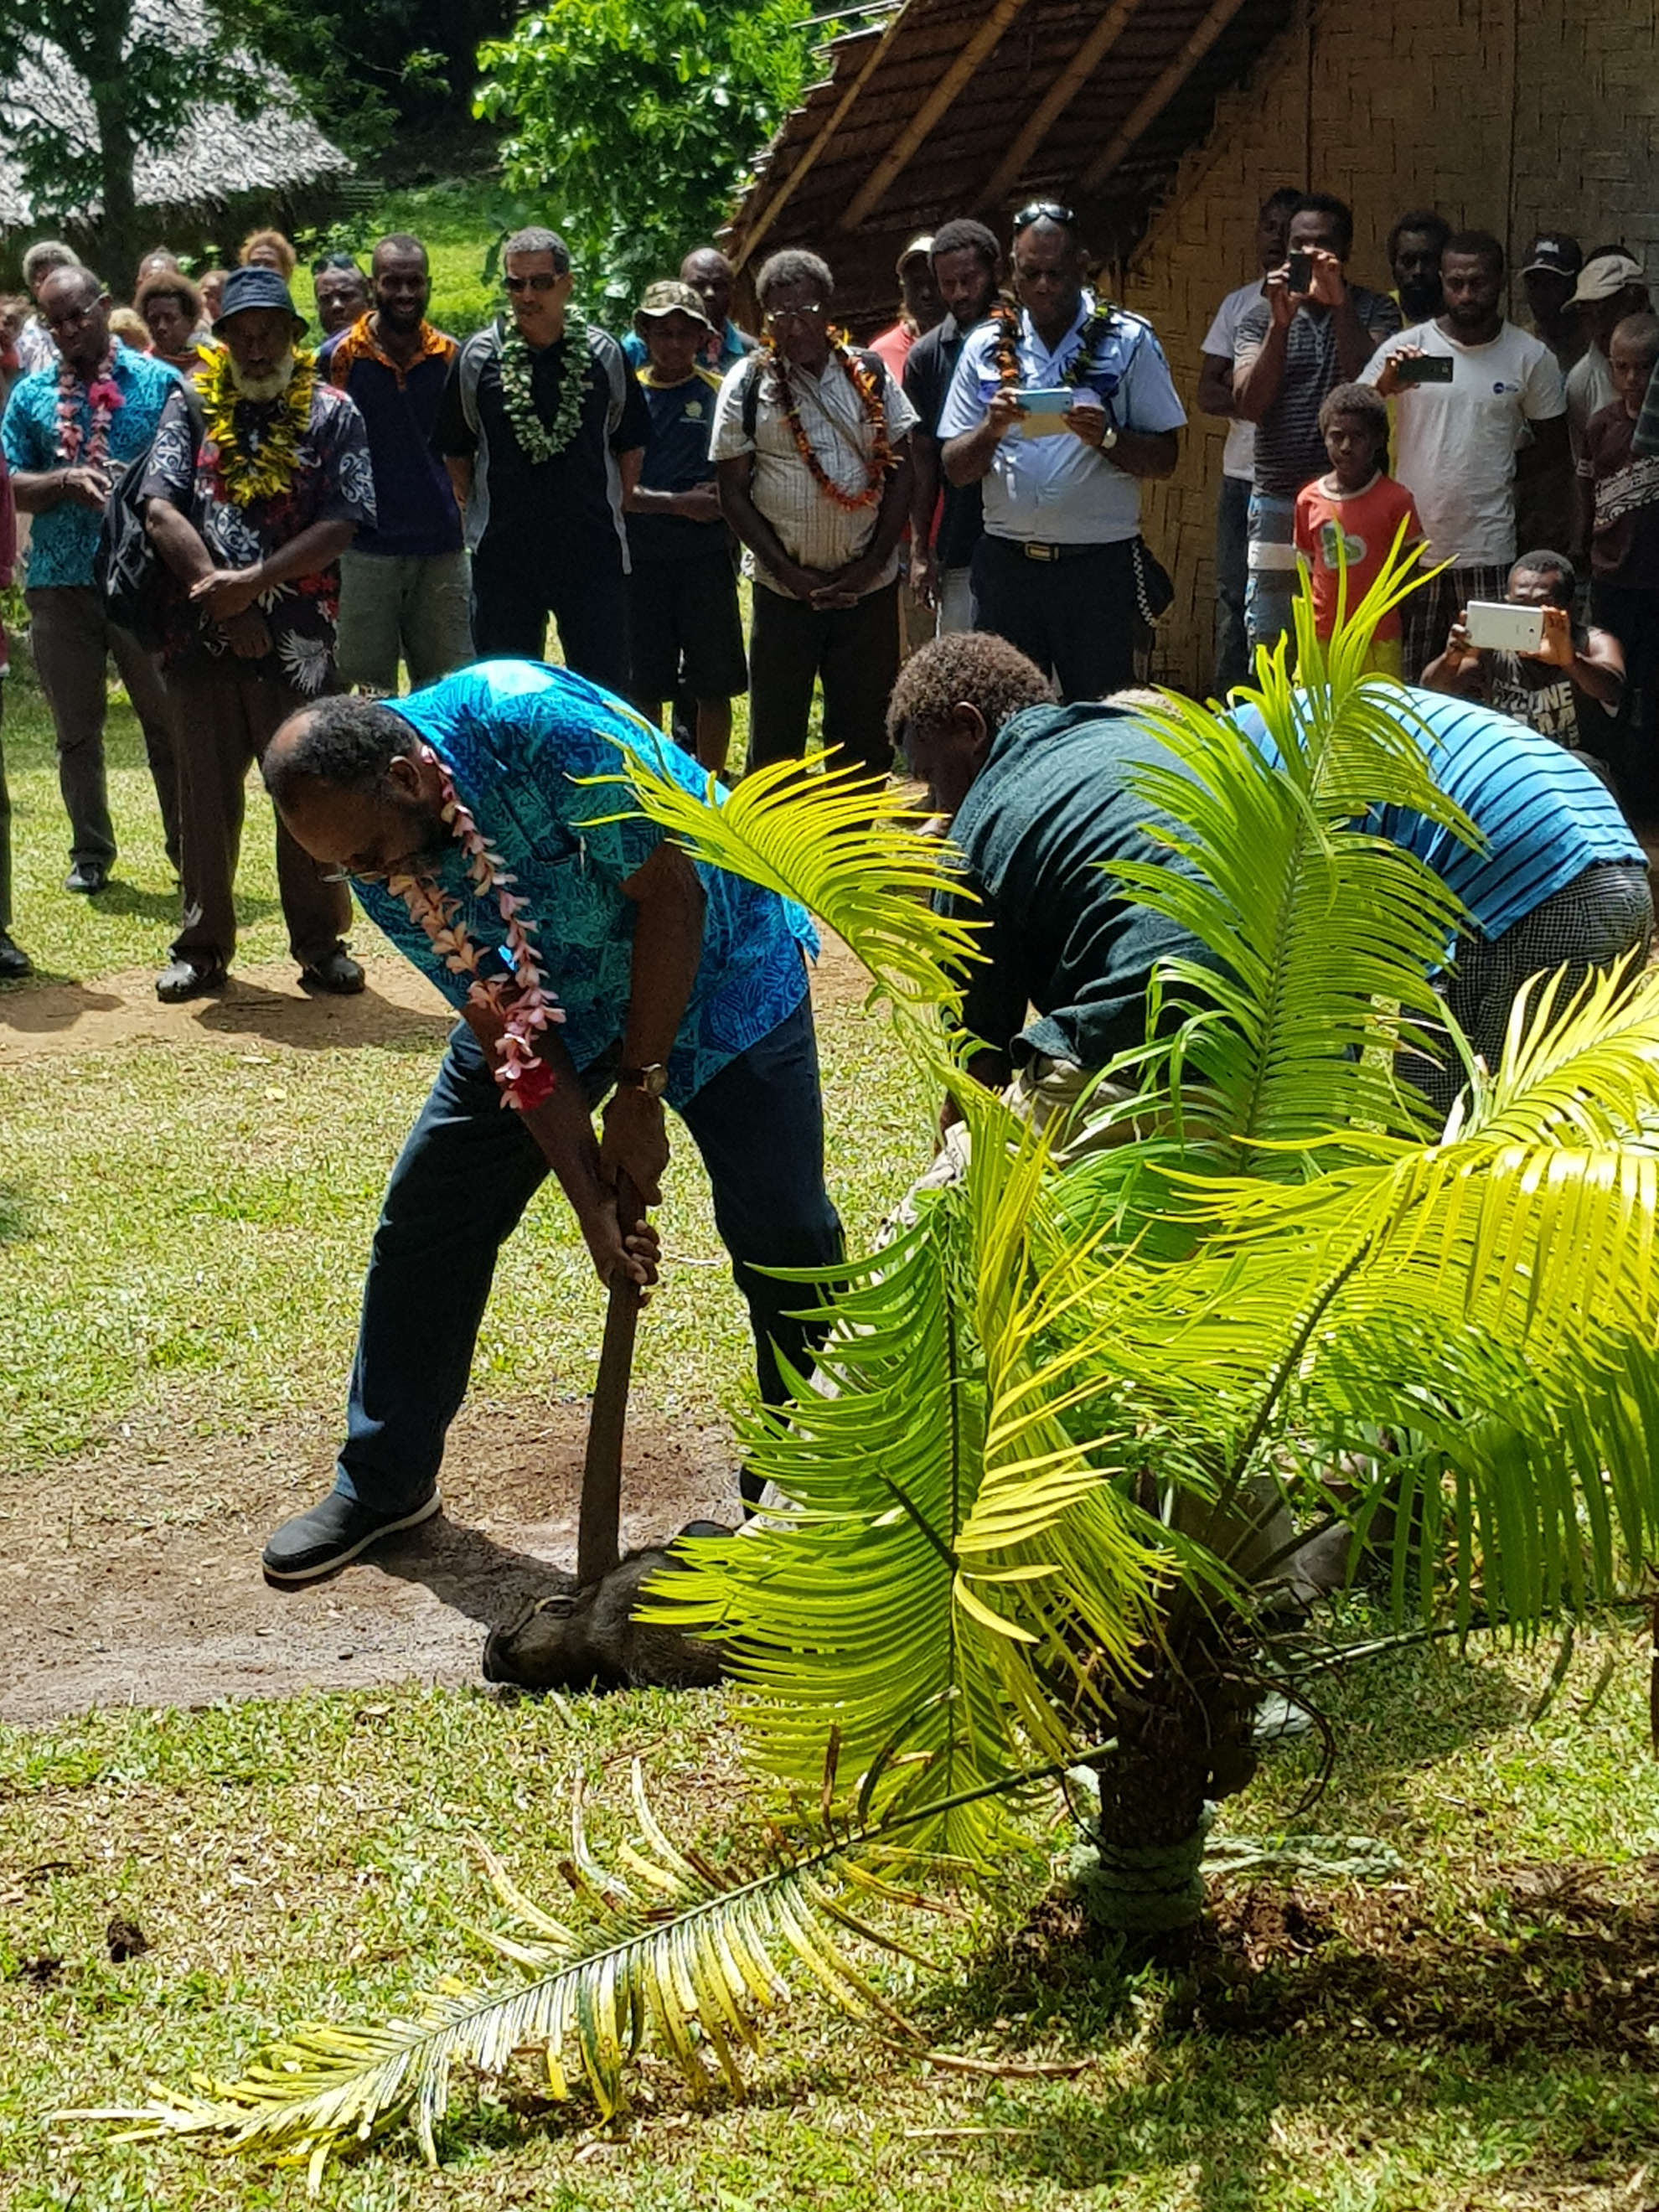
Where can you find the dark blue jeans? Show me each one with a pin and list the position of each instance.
(463, 1179)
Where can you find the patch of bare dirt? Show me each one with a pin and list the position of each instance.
(132, 1576)
(40, 1020)
(1563, 1956)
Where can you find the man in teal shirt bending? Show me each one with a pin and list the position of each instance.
(586, 955)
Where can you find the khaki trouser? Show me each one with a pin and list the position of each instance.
(226, 715)
(392, 606)
(70, 636)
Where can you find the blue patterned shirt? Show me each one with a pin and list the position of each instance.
(63, 540)
(516, 735)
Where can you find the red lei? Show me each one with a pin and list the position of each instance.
(103, 397)
(867, 382)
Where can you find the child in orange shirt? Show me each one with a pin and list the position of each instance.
(1354, 513)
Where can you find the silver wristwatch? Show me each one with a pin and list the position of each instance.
(652, 1080)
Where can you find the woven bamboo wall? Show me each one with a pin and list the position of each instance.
(1508, 115)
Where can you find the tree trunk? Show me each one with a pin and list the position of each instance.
(119, 244)
(1184, 1739)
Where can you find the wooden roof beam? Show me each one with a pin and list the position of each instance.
(1148, 110)
(780, 199)
(1058, 98)
(876, 185)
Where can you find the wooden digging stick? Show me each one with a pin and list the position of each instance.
(598, 1528)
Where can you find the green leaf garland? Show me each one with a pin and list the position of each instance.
(539, 441)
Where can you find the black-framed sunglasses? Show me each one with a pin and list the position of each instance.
(541, 282)
(1044, 211)
(336, 261)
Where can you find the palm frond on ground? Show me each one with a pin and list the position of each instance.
(672, 1947)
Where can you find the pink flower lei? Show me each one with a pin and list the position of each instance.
(103, 397)
(526, 1003)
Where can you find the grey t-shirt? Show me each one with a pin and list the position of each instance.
(1289, 450)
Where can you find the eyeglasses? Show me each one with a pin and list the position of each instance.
(541, 282)
(1044, 211)
(779, 318)
(336, 261)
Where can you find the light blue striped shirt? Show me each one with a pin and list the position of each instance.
(1545, 816)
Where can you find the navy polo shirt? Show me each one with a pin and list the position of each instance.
(677, 460)
(416, 513)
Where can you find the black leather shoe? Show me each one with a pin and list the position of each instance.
(331, 1534)
(89, 876)
(187, 979)
(14, 963)
(339, 975)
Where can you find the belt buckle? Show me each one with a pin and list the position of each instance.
(1036, 552)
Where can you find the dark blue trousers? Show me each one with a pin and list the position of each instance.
(464, 1178)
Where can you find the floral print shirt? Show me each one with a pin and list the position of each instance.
(521, 739)
(332, 482)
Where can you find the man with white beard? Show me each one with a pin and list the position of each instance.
(256, 482)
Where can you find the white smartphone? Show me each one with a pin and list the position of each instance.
(1498, 627)
(1043, 413)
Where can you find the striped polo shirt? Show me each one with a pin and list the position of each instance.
(1545, 816)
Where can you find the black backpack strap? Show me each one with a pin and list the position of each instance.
(753, 369)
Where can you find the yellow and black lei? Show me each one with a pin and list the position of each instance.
(266, 471)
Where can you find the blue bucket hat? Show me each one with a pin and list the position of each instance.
(245, 288)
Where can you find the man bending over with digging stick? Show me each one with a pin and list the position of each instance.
(609, 962)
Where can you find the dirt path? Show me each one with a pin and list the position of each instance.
(40, 1020)
(132, 1576)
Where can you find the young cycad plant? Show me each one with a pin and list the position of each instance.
(1035, 1506)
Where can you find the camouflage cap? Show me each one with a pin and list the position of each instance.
(670, 297)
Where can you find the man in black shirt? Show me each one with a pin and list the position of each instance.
(967, 269)
(543, 430)
(1042, 808)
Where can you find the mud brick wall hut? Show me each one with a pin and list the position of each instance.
(1165, 122)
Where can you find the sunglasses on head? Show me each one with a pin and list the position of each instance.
(1044, 211)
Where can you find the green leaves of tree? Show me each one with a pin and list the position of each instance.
(633, 126)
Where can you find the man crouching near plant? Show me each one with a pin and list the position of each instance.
(1041, 810)
(1042, 813)
(586, 954)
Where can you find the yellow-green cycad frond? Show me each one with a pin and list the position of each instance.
(1494, 1295)
(690, 1953)
(846, 848)
(1321, 930)
(948, 1555)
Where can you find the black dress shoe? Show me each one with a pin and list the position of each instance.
(338, 975)
(89, 876)
(188, 979)
(14, 963)
(324, 1539)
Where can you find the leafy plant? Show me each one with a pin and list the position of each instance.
(1035, 1506)
(631, 126)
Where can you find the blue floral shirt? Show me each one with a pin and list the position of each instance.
(517, 736)
(63, 540)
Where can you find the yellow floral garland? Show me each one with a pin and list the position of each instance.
(267, 472)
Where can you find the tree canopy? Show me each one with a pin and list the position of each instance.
(633, 124)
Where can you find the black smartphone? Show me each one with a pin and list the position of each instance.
(1298, 272)
(1426, 368)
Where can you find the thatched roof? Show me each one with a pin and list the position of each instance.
(218, 156)
(934, 108)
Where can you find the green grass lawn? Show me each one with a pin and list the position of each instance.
(1459, 2040)
(182, 1231)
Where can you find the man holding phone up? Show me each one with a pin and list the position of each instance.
(1060, 410)
(1313, 331)
(1470, 389)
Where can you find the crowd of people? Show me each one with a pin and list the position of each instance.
(944, 532)
(398, 502)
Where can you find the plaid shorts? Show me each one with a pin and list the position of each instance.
(1433, 607)
(1587, 924)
